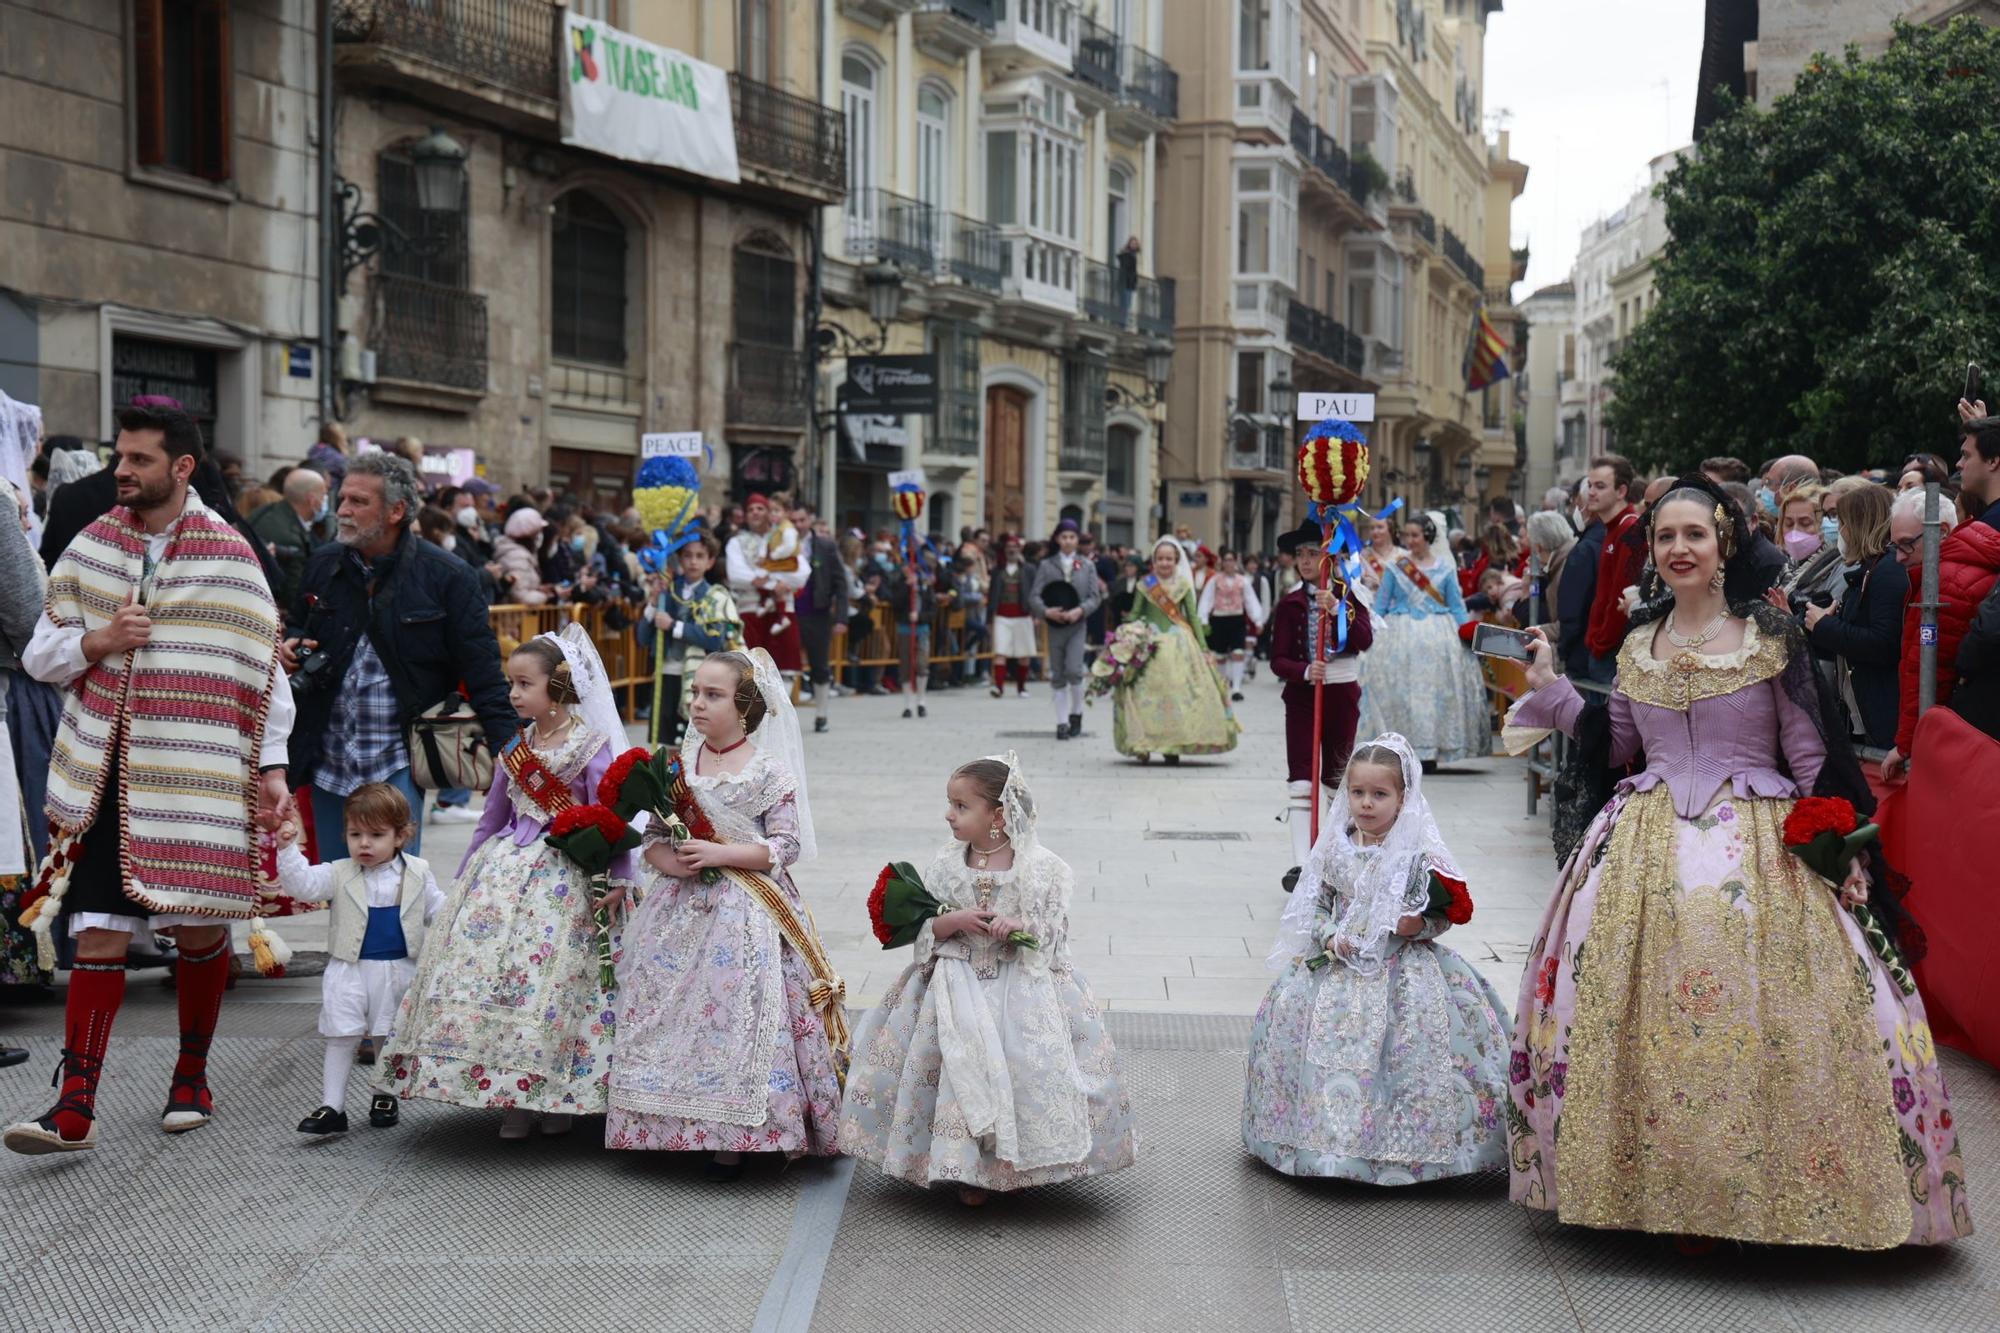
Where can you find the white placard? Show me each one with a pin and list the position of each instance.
(676, 444)
(624, 96)
(1346, 406)
(912, 477)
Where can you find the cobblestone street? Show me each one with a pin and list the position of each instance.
(437, 1225)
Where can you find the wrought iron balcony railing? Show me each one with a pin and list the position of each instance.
(1102, 295)
(429, 333)
(882, 224)
(1151, 83)
(1096, 59)
(795, 136)
(769, 386)
(1427, 226)
(1462, 260)
(1302, 134)
(508, 43)
(973, 249)
(1156, 307)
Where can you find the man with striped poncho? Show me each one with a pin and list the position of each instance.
(161, 630)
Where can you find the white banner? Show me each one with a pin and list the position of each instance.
(1346, 406)
(624, 96)
(679, 444)
(913, 477)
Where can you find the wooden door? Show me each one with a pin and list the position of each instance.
(1006, 459)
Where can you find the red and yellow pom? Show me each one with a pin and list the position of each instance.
(1333, 463)
(908, 504)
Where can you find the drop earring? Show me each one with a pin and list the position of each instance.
(1716, 581)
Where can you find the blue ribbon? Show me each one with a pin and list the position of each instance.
(657, 558)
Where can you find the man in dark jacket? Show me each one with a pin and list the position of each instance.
(1573, 601)
(386, 626)
(284, 527)
(819, 606)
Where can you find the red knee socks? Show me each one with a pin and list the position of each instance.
(95, 992)
(1020, 672)
(199, 980)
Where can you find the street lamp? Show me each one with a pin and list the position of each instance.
(438, 162)
(1464, 471)
(1284, 396)
(1484, 476)
(882, 284)
(1159, 365)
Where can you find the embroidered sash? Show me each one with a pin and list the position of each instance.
(1408, 568)
(549, 792)
(1169, 607)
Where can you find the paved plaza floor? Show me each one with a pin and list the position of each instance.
(436, 1225)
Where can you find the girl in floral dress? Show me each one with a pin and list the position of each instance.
(1378, 1056)
(725, 999)
(1179, 704)
(987, 1064)
(507, 1009)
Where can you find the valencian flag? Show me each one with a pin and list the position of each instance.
(1485, 353)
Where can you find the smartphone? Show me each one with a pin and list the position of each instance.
(1499, 641)
(1971, 394)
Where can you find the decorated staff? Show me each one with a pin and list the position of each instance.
(1332, 467)
(907, 499)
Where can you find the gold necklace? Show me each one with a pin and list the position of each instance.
(1679, 640)
(547, 739)
(980, 854)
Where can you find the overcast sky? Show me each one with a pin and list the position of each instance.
(1595, 88)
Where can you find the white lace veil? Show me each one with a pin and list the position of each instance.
(1182, 582)
(1378, 885)
(593, 686)
(778, 736)
(1017, 808)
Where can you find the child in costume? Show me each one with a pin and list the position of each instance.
(689, 618)
(507, 1009)
(1232, 612)
(1179, 703)
(1378, 1056)
(987, 1063)
(730, 1016)
(1014, 645)
(380, 900)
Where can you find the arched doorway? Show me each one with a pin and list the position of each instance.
(1006, 458)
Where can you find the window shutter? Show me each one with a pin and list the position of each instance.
(213, 129)
(149, 112)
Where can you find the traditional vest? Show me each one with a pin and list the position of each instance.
(348, 920)
(1228, 595)
(185, 712)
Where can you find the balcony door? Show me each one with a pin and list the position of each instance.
(859, 79)
(1006, 459)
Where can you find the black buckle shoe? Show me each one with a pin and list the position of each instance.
(365, 1053)
(383, 1111)
(819, 724)
(325, 1120)
(1075, 725)
(1062, 731)
(1290, 879)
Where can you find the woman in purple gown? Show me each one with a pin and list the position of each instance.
(1706, 1043)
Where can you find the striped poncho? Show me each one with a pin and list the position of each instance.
(186, 711)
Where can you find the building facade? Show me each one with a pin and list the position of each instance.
(158, 231)
(1002, 154)
(574, 300)
(1550, 441)
(1613, 278)
(1333, 237)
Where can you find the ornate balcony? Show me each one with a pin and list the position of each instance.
(1461, 259)
(971, 251)
(1313, 333)
(788, 142)
(769, 386)
(1032, 34)
(948, 29)
(429, 334)
(1101, 295)
(1156, 307)
(1150, 84)
(490, 58)
(881, 224)
(1095, 61)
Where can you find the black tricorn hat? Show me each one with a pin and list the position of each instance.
(1306, 534)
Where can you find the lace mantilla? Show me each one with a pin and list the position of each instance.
(566, 761)
(1688, 676)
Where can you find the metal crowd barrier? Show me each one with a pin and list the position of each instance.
(630, 666)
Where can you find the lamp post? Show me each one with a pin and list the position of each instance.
(1284, 397)
(438, 162)
(1159, 365)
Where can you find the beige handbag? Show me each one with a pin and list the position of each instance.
(448, 748)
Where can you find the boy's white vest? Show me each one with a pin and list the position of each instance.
(349, 908)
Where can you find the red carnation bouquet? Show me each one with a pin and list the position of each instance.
(653, 782)
(1825, 833)
(591, 836)
(899, 905)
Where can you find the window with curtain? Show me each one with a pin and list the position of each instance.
(588, 271)
(181, 81)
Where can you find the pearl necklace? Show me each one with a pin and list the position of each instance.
(1714, 628)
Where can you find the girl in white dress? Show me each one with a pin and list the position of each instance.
(381, 900)
(987, 1064)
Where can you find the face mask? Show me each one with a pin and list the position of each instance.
(1829, 531)
(325, 508)
(1767, 500)
(1840, 543)
(1801, 544)
(576, 545)
(468, 517)
(450, 542)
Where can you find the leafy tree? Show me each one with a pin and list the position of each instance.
(1834, 263)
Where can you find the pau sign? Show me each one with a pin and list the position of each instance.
(625, 97)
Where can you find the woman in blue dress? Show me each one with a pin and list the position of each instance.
(1419, 680)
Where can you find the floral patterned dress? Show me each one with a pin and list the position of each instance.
(1179, 704)
(506, 1009)
(1387, 1079)
(1706, 1043)
(987, 1065)
(719, 1047)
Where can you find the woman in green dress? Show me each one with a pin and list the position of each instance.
(1178, 704)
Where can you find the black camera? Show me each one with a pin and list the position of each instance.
(316, 667)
